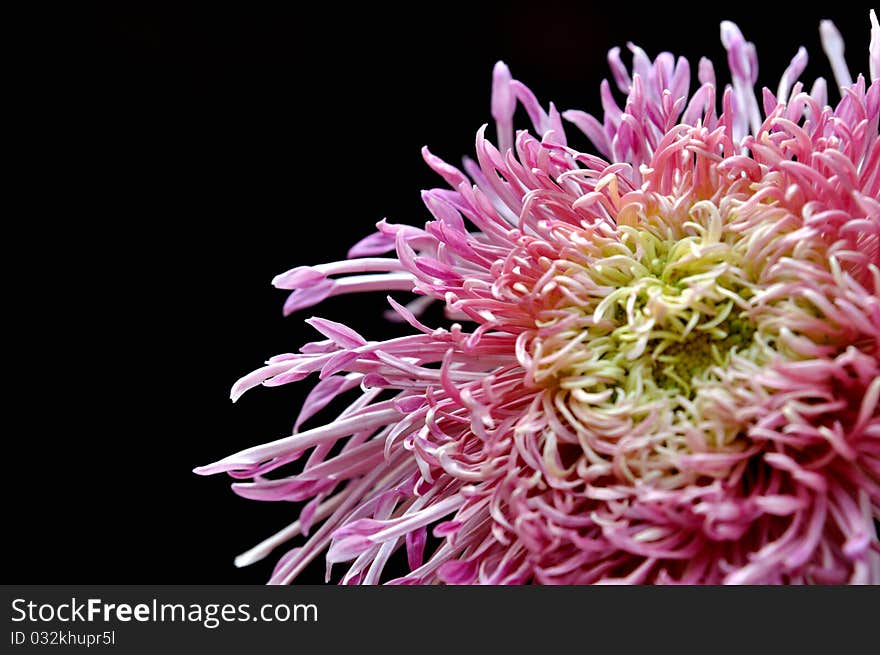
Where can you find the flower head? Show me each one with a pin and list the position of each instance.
(664, 364)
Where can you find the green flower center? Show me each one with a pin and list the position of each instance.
(660, 311)
(663, 306)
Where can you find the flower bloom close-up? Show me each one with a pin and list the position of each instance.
(662, 358)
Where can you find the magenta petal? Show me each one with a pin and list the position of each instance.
(342, 335)
(415, 547)
(345, 549)
(447, 528)
(409, 404)
(307, 515)
(374, 244)
(460, 573)
(298, 278)
(306, 297)
(321, 395)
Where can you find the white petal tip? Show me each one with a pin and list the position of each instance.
(246, 559)
(729, 33)
(830, 35)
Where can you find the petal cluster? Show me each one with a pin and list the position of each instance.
(662, 361)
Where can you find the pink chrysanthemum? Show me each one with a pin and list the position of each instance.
(668, 363)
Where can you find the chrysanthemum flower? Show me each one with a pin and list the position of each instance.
(666, 361)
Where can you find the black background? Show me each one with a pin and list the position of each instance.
(177, 159)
